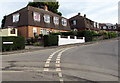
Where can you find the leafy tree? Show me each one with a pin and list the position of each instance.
(52, 6)
(3, 22)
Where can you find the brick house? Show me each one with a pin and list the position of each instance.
(79, 22)
(108, 27)
(118, 27)
(31, 21)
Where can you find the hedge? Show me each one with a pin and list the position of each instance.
(18, 43)
(50, 40)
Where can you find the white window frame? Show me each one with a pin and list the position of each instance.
(34, 30)
(47, 18)
(104, 27)
(16, 17)
(36, 16)
(44, 31)
(74, 22)
(56, 20)
(64, 22)
(114, 27)
(109, 27)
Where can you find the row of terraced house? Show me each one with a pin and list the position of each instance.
(31, 21)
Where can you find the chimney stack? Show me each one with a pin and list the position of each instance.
(45, 8)
(79, 14)
(85, 15)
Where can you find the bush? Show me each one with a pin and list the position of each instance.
(50, 40)
(18, 43)
(112, 34)
(58, 33)
(88, 36)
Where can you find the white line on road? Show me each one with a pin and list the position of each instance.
(60, 75)
(47, 64)
(57, 61)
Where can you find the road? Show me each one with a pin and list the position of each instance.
(93, 62)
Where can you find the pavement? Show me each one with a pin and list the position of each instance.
(30, 48)
(86, 63)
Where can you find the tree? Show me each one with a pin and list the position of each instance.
(52, 6)
(3, 22)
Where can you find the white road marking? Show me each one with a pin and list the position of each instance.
(48, 59)
(60, 75)
(47, 62)
(57, 65)
(46, 69)
(58, 69)
(47, 65)
(58, 57)
(61, 80)
(57, 61)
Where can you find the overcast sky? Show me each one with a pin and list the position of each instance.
(102, 11)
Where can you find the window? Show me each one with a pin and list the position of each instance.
(74, 22)
(109, 27)
(115, 27)
(95, 24)
(44, 31)
(104, 27)
(64, 22)
(36, 16)
(16, 17)
(35, 31)
(56, 20)
(98, 25)
(47, 18)
(12, 31)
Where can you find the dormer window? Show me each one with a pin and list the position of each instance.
(115, 27)
(104, 27)
(64, 22)
(56, 20)
(109, 27)
(16, 17)
(47, 18)
(36, 16)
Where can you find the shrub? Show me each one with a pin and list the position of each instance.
(58, 33)
(18, 43)
(112, 34)
(50, 40)
(88, 36)
(80, 33)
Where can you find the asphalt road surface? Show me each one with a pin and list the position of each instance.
(94, 62)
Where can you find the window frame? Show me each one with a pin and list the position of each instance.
(56, 20)
(46, 18)
(64, 22)
(16, 17)
(38, 18)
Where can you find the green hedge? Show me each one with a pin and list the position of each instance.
(18, 43)
(50, 40)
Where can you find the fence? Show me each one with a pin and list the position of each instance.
(69, 40)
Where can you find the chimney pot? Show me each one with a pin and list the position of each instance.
(79, 14)
(85, 15)
(45, 8)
